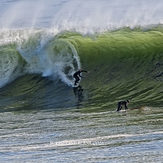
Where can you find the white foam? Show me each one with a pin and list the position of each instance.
(103, 140)
(49, 56)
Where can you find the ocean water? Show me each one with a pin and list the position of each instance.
(43, 118)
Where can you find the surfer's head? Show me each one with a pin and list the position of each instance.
(128, 101)
(80, 69)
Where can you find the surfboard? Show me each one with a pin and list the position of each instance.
(137, 108)
(141, 107)
(77, 84)
(123, 110)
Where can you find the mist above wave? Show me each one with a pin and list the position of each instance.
(85, 16)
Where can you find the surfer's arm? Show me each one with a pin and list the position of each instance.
(85, 71)
(81, 76)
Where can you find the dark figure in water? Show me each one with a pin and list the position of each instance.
(77, 74)
(121, 103)
(78, 91)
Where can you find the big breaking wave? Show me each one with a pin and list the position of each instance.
(124, 55)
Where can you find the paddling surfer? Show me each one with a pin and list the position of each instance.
(77, 75)
(123, 103)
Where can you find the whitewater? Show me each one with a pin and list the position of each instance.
(43, 118)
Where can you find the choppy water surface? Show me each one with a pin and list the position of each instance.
(43, 118)
(79, 136)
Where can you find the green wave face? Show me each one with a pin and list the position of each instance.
(10, 64)
(123, 64)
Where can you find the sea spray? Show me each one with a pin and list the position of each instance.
(40, 52)
(41, 115)
(53, 58)
(82, 16)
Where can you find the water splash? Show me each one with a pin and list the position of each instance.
(84, 16)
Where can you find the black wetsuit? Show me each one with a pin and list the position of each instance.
(125, 103)
(77, 74)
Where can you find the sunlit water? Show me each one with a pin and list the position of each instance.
(37, 124)
(79, 136)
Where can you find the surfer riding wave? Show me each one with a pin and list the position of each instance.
(77, 75)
